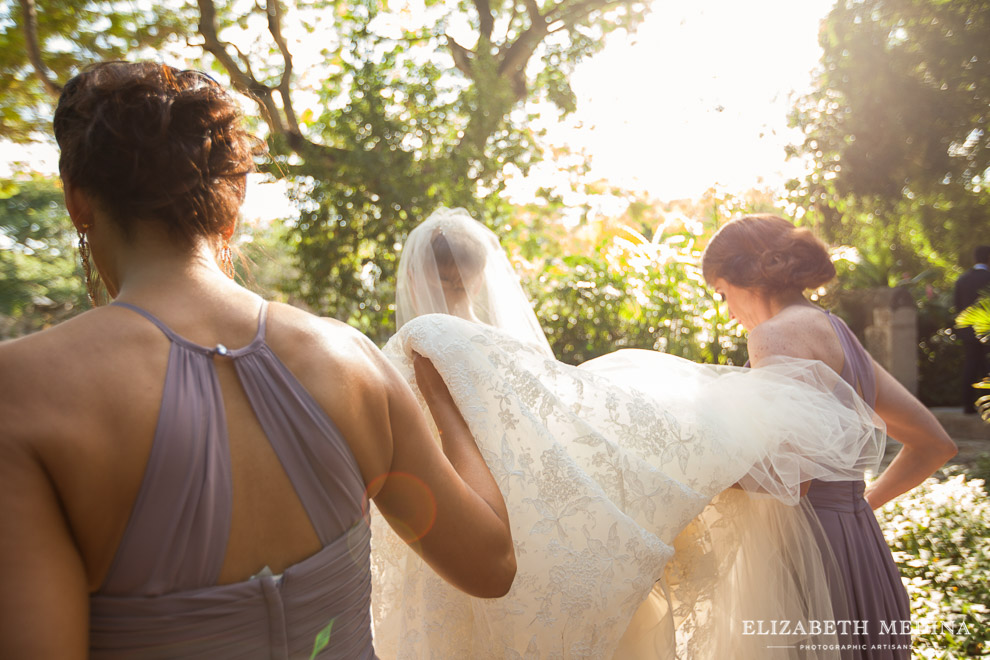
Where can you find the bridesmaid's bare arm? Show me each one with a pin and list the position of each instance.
(44, 600)
(926, 444)
(469, 542)
(456, 439)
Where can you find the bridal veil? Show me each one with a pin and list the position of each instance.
(452, 264)
(653, 501)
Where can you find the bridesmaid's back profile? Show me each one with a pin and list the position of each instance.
(761, 265)
(185, 473)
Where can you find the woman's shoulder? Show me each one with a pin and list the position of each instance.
(299, 331)
(798, 331)
(60, 346)
(344, 372)
(53, 378)
(317, 348)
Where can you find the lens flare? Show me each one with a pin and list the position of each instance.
(418, 512)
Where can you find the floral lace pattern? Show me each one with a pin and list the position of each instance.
(602, 480)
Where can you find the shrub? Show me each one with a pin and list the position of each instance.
(940, 537)
(634, 293)
(940, 354)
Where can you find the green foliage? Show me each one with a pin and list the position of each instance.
(403, 111)
(902, 97)
(584, 309)
(896, 132)
(72, 34)
(634, 293)
(420, 121)
(940, 537)
(40, 274)
(977, 316)
(397, 129)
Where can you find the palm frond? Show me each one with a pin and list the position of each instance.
(977, 315)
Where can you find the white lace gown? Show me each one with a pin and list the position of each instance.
(628, 544)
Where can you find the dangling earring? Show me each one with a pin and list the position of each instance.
(87, 268)
(226, 260)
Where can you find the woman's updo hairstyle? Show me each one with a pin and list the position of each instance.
(768, 253)
(151, 142)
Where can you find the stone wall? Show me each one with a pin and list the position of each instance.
(886, 321)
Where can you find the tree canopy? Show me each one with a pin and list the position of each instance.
(42, 46)
(39, 270)
(376, 112)
(896, 131)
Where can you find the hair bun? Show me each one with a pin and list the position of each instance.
(155, 143)
(798, 260)
(769, 253)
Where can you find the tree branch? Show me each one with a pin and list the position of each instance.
(274, 11)
(242, 79)
(461, 55)
(248, 72)
(516, 57)
(533, 10)
(512, 61)
(33, 46)
(486, 21)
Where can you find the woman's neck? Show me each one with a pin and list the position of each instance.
(793, 298)
(153, 262)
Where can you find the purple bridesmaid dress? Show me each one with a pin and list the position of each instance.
(875, 597)
(160, 598)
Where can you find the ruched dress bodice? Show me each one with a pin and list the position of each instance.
(160, 598)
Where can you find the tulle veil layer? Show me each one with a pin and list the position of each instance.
(453, 264)
(653, 503)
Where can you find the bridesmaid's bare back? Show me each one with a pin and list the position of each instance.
(112, 436)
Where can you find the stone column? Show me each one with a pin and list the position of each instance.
(886, 321)
(892, 340)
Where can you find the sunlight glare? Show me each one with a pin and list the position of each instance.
(697, 97)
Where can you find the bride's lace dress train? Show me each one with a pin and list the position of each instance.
(615, 475)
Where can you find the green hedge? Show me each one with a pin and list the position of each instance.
(940, 536)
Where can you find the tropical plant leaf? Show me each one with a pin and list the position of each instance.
(977, 316)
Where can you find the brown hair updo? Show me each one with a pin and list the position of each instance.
(768, 253)
(151, 142)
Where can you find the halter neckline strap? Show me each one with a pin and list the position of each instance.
(220, 349)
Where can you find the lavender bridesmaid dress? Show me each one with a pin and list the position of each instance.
(875, 597)
(159, 599)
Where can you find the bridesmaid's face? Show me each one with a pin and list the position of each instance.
(746, 305)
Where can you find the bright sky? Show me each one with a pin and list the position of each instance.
(697, 97)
